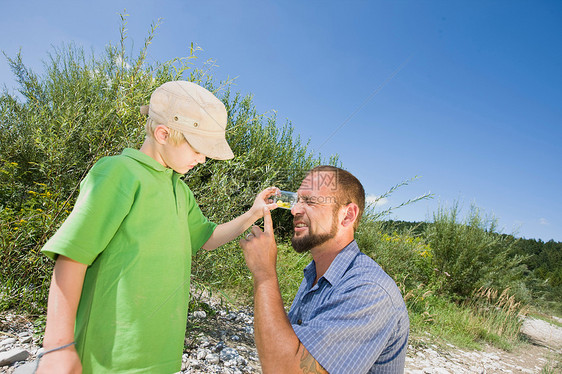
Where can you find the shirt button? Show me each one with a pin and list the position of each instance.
(299, 322)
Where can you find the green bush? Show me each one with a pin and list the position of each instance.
(469, 255)
(407, 259)
(24, 273)
(83, 108)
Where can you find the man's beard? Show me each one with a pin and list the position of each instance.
(306, 243)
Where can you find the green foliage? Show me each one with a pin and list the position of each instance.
(229, 274)
(51, 133)
(407, 259)
(469, 255)
(486, 317)
(544, 260)
(83, 108)
(539, 282)
(440, 265)
(25, 274)
(553, 364)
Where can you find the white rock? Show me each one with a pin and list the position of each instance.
(26, 339)
(14, 355)
(195, 363)
(212, 358)
(441, 371)
(8, 341)
(202, 353)
(184, 365)
(200, 314)
(228, 354)
(241, 361)
(475, 369)
(28, 368)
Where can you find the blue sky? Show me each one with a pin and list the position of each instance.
(465, 94)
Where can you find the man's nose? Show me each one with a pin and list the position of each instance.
(297, 208)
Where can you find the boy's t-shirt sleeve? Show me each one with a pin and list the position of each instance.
(200, 227)
(104, 201)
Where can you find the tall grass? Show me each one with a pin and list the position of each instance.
(497, 316)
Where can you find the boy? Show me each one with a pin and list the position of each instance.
(120, 288)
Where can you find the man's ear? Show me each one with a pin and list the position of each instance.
(351, 213)
(161, 134)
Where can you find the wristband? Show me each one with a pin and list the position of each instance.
(49, 351)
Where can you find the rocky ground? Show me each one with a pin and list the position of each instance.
(222, 342)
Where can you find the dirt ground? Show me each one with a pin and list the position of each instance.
(542, 354)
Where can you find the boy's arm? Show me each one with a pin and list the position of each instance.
(228, 231)
(64, 295)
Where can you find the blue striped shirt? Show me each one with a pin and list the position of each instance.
(353, 320)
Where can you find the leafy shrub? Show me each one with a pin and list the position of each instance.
(24, 273)
(407, 259)
(83, 108)
(470, 254)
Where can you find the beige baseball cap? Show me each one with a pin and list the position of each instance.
(195, 112)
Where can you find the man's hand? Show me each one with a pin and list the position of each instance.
(260, 249)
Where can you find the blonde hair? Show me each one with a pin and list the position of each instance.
(176, 137)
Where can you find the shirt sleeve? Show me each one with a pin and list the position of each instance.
(106, 196)
(200, 228)
(350, 330)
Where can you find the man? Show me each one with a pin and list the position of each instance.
(348, 315)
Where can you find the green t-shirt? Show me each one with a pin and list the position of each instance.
(136, 224)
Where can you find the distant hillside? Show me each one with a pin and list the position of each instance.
(542, 259)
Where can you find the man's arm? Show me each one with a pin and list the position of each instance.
(279, 348)
(230, 230)
(64, 295)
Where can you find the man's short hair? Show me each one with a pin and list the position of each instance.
(347, 188)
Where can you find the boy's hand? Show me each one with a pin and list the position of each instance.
(261, 202)
(260, 249)
(65, 361)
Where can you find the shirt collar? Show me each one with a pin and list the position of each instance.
(338, 267)
(144, 159)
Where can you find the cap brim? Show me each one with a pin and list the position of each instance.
(215, 148)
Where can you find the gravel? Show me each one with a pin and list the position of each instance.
(221, 341)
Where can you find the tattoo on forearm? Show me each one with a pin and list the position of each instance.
(309, 363)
